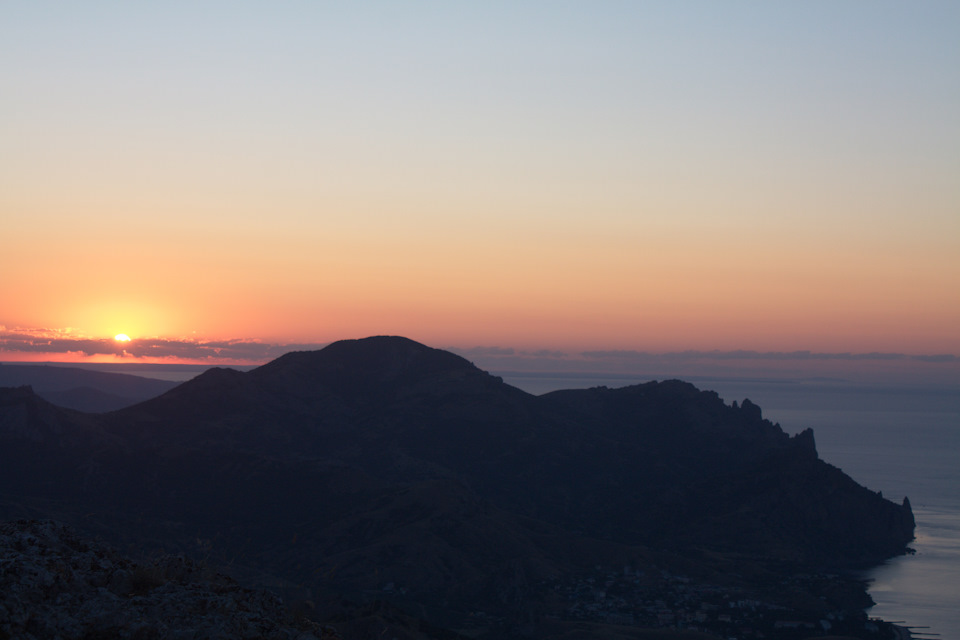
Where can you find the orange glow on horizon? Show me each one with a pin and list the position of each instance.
(80, 357)
(70, 357)
(772, 185)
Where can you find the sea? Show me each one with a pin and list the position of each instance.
(900, 440)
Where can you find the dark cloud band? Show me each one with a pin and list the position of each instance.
(53, 342)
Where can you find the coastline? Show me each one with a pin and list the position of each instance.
(903, 633)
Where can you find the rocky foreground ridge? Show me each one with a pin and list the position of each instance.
(55, 584)
(382, 469)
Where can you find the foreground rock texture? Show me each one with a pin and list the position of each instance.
(53, 584)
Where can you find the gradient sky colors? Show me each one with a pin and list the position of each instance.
(540, 175)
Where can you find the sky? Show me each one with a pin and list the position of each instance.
(231, 180)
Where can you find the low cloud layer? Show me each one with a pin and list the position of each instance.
(61, 342)
(640, 357)
(759, 355)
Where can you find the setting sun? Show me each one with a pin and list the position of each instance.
(121, 337)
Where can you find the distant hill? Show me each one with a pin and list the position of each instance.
(83, 389)
(384, 469)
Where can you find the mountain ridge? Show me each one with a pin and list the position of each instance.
(383, 455)
(83, 389)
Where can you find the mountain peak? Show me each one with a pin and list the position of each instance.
(375, 359)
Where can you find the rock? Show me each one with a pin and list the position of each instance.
(52, 586)
(751, 410)
(805, 442)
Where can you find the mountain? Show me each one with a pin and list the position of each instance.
(83, 389)
(382, 468)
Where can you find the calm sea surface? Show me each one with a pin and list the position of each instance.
(902, 441)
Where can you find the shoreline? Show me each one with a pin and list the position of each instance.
(903, 633)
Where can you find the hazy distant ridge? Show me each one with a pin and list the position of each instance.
(83, 389)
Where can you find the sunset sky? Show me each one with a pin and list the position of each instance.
(234, 179)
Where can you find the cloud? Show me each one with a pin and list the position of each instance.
(546, 353)
(483, 351)
(617, 353)
(741, 354)
(943, 357)
(60, 342)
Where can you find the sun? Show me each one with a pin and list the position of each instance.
(121, 337)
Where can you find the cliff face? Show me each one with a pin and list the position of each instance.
(384, 462)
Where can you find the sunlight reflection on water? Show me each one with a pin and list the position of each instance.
(922, 589)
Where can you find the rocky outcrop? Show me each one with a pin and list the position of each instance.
(53, 584)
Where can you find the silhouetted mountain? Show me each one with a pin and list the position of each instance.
(381, 466)
(83, 389)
